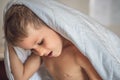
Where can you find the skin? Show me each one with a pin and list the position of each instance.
(62, 59)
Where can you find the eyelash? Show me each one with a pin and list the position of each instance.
(40, 43)
(33, 51)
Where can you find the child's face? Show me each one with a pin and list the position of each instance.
(43, 42)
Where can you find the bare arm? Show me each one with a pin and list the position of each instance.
(23, 71)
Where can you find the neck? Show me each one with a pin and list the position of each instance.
(66, 43)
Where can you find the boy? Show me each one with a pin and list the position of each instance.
(62, 59)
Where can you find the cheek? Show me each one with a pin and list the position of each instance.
(54, 44)
(58, 44)
(53, 41)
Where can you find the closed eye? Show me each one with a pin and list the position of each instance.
(33, 51)
(40, 43)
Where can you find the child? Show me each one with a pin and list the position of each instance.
(72, 46)
(62, 59)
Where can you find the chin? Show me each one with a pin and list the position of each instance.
(57, 55)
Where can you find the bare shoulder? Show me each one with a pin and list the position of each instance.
(87, 66)
(83, 62)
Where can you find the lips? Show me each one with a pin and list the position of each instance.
(50, 54)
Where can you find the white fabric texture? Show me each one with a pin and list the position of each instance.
(98, 44)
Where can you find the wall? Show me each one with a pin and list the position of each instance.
(81, 5)
(2, 4)
(107, 12)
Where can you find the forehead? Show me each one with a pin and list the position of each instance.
(27, 43)
(32, 36)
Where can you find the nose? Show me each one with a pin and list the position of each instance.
(41, 51)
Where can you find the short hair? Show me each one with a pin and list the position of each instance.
(16, 20)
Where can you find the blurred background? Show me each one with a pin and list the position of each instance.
(105, 12)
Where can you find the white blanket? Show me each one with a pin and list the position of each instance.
(101, 46)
